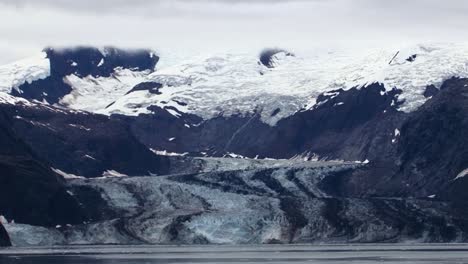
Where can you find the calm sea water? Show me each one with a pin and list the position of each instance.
(391, 253)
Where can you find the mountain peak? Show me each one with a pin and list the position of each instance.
(87, 60)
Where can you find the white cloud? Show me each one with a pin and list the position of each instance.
(28, 25)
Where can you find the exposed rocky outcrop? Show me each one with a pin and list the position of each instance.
(152, 87)
(4, 238)
(30, 192)
(433, 147)
(267, 56)
(430, 153)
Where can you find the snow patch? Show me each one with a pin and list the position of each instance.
(174, 113)
(12, 100)
(89, 157)
(28, 70)
(167, 153)
(462, 174)
(396, 134)
(234, 155)
(67, 176)
(112, 174)
(95, 94)
(80, 127)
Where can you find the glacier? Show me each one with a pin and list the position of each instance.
(254, 205)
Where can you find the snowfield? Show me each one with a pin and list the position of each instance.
(94, 94)
(237, 83)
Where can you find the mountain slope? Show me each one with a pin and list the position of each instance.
(30, 192)
(81, 143)
(393, 122)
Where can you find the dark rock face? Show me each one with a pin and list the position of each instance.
(30, 192)
(4, 238)
(350, 125)
(433, 148)
(83, 144)
(152, 87)
(430, 91)
(211, 137)
(429, 153)
(412, 58)
(50, 89)
(266, 56)
(83, 61)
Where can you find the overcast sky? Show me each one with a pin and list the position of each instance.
(203, 25)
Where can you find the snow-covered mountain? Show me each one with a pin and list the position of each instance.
(101, 81)
(153, 125)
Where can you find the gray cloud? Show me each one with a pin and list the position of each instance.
(72, 5)
(210, 25)
(131, 5)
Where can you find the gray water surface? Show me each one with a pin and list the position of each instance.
(331, 254)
